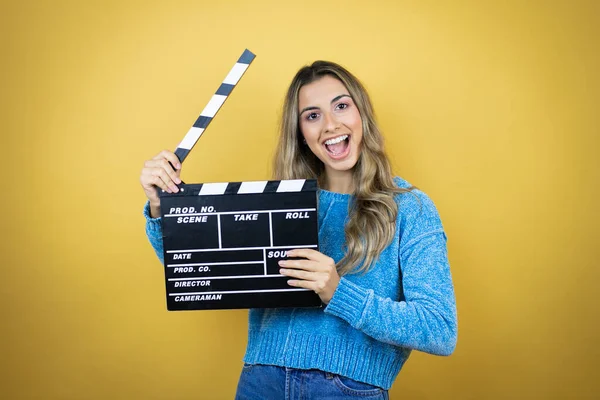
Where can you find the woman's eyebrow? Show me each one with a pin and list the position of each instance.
(308, 108)
(336, 98)
(339, 97)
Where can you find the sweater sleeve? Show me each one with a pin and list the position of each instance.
(426, 319)
(154, 232)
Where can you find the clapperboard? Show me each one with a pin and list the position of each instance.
(222, 241)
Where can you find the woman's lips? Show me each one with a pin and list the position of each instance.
(338, 150)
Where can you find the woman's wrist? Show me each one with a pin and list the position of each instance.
(155, 210)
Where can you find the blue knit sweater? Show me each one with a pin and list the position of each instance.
(369, 327)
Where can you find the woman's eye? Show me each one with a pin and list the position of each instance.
(342, 106)
(311, 116)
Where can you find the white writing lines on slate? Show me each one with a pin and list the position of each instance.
(240, 248)
(217, 263)
(240, 291)
(240, 212)
(226, 277)
(265, 256)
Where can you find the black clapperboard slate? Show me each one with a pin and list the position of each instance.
(222, 242)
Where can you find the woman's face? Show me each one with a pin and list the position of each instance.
(330, 123)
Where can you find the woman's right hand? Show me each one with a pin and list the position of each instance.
(158, 174)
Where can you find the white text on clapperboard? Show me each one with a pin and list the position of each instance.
(191, 215)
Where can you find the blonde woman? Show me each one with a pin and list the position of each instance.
(382, 272)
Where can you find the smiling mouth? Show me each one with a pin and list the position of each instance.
(337, 146)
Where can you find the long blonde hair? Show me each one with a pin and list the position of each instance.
(372, 215)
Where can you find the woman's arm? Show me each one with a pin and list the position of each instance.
(426, 319)
(160, 173)
(154, 232)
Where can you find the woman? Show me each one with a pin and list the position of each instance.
(382, 272)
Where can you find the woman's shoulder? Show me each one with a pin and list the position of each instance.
(412, 196)
(416, 207)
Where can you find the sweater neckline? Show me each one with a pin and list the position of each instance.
(330, 196)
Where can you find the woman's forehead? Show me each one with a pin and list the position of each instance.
(322, 90)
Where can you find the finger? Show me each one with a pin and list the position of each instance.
(164, 176)
(149, 188)
(302, 284)
(310, 254)
(148, 179)
(319, 261)
(170, 156)
(166, 165)
(158, 182)
(299, 274)
(155, 163)
(306, 265)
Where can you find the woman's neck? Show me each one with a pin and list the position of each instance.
(339, 181)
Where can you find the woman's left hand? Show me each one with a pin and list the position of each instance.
(317, 272)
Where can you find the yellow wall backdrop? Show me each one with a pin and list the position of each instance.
(490, 107)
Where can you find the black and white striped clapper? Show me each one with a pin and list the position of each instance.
(223, 241)
(215, 103)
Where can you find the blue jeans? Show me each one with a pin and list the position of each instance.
(269, 382)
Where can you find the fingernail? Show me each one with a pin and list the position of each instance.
(178, 166)
(281, 262)
(178, 180)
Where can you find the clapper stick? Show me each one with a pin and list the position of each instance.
(213, 106)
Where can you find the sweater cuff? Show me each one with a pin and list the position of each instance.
(152, 224)
(348, 302)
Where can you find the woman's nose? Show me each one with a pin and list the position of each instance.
(331, 122)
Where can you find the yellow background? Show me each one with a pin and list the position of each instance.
(490, 107)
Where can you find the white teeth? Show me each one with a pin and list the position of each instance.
(336, 140)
